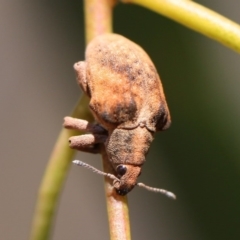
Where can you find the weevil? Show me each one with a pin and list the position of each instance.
(127, 101)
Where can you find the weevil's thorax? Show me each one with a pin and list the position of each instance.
(128, 146)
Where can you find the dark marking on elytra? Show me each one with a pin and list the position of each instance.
(107, 117)
(120, 113)
(161, 119)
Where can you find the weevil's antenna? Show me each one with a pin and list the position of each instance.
(83, 164)
(158, 190)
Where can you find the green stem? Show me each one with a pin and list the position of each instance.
(198, 18)
(54, 177)
(98, 17)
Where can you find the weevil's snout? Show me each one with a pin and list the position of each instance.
(128, 175)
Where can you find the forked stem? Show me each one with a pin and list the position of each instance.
(98, 21)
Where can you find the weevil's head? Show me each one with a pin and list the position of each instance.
(127, 149)
(127, 175)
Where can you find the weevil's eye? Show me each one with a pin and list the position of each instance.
(121, 170)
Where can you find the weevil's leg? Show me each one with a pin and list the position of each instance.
(83, 125)
(80, 68)
(87, 143)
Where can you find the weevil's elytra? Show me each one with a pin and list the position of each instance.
(127, 99)
(114, 68)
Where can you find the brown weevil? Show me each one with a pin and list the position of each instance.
(127, 101)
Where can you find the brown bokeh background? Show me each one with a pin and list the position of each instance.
(197, 158)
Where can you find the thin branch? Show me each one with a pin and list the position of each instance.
(54, 177)
(198, 18)
(98, 20)
(117, 207)
(98, 17)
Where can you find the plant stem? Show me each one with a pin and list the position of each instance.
(54, 177)
(98, 17)
(117, 207)
(198, 18)
(98, 20)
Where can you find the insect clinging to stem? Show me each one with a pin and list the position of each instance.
(128, 103)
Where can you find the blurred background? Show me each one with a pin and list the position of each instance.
(198, 158)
